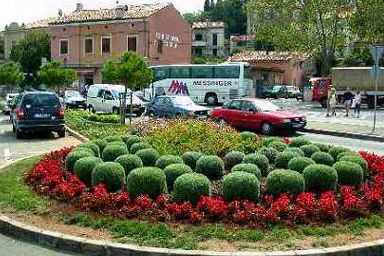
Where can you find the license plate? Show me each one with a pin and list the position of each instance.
(42, 115)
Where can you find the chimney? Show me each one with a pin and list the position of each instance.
(120, 11)
(79, 7)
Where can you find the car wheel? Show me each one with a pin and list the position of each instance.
(222, 121)
(151, 113)
(115, 111)
(61, 133)
(91, 109)
(266, 128)
(19, 134)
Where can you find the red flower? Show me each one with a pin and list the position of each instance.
(328, 205)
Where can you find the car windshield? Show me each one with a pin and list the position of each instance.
(116, 94)
(276, 88)
(266, 106)
(183, 101)
(72, 93)
(41, 100)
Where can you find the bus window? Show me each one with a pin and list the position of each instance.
(202, 72)
(227, 72)
(248, 73)
(161, 73)
(180, 72)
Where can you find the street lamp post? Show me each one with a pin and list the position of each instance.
(377, 52)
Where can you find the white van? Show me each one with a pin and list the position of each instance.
(104, 98)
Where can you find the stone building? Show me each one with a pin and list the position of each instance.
(208, 39)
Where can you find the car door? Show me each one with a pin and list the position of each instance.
(108, 102)
(155, 106)
(167, 108)
(234, 113)
(98, 102)
(251, 119)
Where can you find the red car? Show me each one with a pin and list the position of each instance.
(258, 114)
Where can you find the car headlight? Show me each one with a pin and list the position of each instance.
(286, 120)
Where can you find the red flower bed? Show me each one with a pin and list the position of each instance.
(49, 178)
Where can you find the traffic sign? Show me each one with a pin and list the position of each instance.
(377, 52)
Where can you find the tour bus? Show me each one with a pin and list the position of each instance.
(204, 83)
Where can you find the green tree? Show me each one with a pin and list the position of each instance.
(131, 71)
(192, 17)
(207, 5)
(10, 75)
(1, 46)
(54, 76)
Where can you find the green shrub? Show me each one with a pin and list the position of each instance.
(173, 171)
(298, 142)
(358, 160)
(270, 153)
(129, 162)
(283, 158)
(248, 135)
(90, 151)
(111, 174)
(101, 143)
(296, 150)
(139, 146)
(133, 140)
(125, 138)
(284, 181)
(190, 187)
(278, 145)
(113, 138)
(84, 166)
(323, 147)
(320, 178)
(75, 155)
(190, 158)
(149, 156)
(250, 168)
(335, 151)
(309, 149)
(323, 158)
(269, 140)
(241, 186)
(347, 153)
(233, 158)
(260, 160)
(298, 164)
(210, 166)
(349, 173)
(166, 160)
(112, 152)
(117, 143)
(147, 180)
(92, 146)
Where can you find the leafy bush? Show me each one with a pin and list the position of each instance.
(90, 151)
(111, 174)
(125, 138)
(147, 180)
(335, 151)
(190, 158)
(112, 152)
(233, 158)
(284, 181)
(84, 166)
(166, 160)
(173, 171)
(296, 150)
(190, 187)
(250, 168)
(309, 149)
(129, 162)
(72, 157)
(248, 135)
(323, 158)
(139, 146)
(210, 166)
(149, 156)
(349, 173)
(260, 160)
(269, 140)
(298, 164)
(278, 145)
(283, 158)
(323, 147)
(114, 119)
(117, 143)
(358, 160)
(133, 140)
(92, 146)
(270, 153)
(241, 186)
(298, 142)
(113, 138)
(347, 153)
(101, 143)
(320, 178)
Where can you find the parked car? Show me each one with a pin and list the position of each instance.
(276, 91)
(105, 98)
(38, 111)
(294, 92)
(173, 106)
(73, 99)
(8, 102)
(258, 114)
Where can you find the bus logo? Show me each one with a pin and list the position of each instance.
(178, 87)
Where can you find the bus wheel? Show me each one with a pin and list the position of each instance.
(211, 99)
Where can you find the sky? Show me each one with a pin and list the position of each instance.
(24, 11)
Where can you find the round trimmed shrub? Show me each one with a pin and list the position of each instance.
(284, 181)
(241, 186)
(323, 147)
(250, 168)
(335, 151)
(173, 171)
(190, 158)
(149, 156)
(75, 155)
(111, 174)
(112, 152)
(320, 178)
(349, 173)
(90, 151)
(298, 142)
(233, 158)
(248, 135)
(139, 146)
(113, 138)
(119, 143)
(129, 162)
(210, 166)
(358, 160)
(270, 153)
(166, 160)
(347, 153)
(298, 164)
(125, 138)
(323, 158)
(278, 145)
(260, 160)
(190, 187)
(283, 158)
(147, 180)
(296, 150)
(269, 140)
(92, 146)
(101, 143)
(133, 140)
(84, 166)
(309, 149)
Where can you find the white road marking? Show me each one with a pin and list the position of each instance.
(7, 155)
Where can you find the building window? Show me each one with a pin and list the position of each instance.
(198, 37)
(214, 39)
(132, 43)
(198, 52)
(159, 46)
(105, 44)
(214, 52)
(88, 45)
(63, 46)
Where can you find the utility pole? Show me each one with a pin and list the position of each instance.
(377, 53)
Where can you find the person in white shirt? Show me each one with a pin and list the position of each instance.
(357, 103)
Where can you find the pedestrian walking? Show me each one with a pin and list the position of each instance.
(357, 103)
(333, 101)
(347, 99)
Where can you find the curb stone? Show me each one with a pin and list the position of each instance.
(360, 136)
(77, 135)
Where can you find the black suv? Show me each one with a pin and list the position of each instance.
(38, 111)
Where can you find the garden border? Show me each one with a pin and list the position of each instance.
(77, 135)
